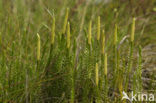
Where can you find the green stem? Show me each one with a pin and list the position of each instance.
(37, 67)
(130, 62)
(139, 69)
(115, 66)
(50, 56)
(73, 85)
(102, 71)
(106, 88)
(26, 86)
(72, 77)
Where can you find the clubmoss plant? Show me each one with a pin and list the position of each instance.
(139, 71)
(105, 65)
(115, 48)
(115, 57)
(90, 33)
(52, 42)
(119, 72)
(130, 62)
(98, 28)
(90, 69)
(105, 78)
(53, 31)
(133, 30)
(72, 97)
(115, 34)
(97, 74)
(68, 35)
(65, 21)
(137, 78)
(121, 79)
(89, 36)
(121, 86)
(38, 47)
(72, 71)
(38, 51)
(97, 83)
(103, 42)
(97, 43)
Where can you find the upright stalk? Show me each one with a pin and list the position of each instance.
(102, 58)
(97, 74)
(97, 82)
(98, 28)
(115, 57)
(65, 21)
(139, 71)
(72, 71)
(90, 33)
(115, 48)
(130, 62)
(38, 51)
(89, 69)
(90, 45)
(105, 77)
(52, 40)
(26, 86)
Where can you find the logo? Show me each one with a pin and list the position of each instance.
(125, 96)
(138, 97)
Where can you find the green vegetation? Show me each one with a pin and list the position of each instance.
(73, 51)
